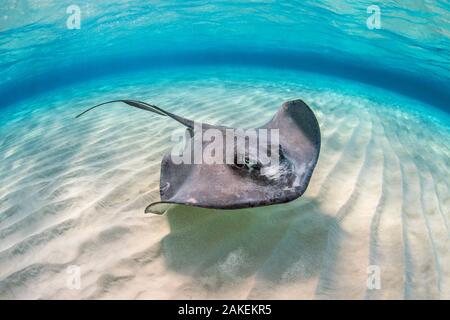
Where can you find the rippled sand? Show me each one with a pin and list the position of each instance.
(73, 192)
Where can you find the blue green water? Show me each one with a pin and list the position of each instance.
(409, 54)
(73, 191)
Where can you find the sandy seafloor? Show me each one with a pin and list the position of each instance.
(73, 192)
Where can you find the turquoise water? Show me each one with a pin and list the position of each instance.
(73, 191)
(410, 50)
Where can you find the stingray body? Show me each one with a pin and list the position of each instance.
(239, 179)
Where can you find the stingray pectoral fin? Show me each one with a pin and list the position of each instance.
(159, 207)
(147, 107)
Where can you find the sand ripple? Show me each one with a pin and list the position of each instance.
(73, 192)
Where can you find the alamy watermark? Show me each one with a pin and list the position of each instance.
(73, 280)
(374, 20)
(74, 19)
(243, 148)
(373, 277)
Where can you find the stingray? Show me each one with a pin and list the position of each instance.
(241, 180)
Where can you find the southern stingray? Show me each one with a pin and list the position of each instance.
(241, 180)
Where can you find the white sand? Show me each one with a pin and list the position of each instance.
(73, 192)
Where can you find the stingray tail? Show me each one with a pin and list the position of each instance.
(148, 107)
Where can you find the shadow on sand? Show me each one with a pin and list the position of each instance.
(281, 243)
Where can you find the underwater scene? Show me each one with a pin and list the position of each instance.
(371, 221)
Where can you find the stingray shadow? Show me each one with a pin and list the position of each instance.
(278, 243)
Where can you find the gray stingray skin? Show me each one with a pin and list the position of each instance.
(225, 186)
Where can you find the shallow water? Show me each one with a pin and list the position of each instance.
(73, 191)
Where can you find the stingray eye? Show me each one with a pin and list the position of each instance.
(239, 165)
(253, 165)
(257, 166)
(246, 164)
(238, 162)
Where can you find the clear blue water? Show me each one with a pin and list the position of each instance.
(409, 54)
(73, 191)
